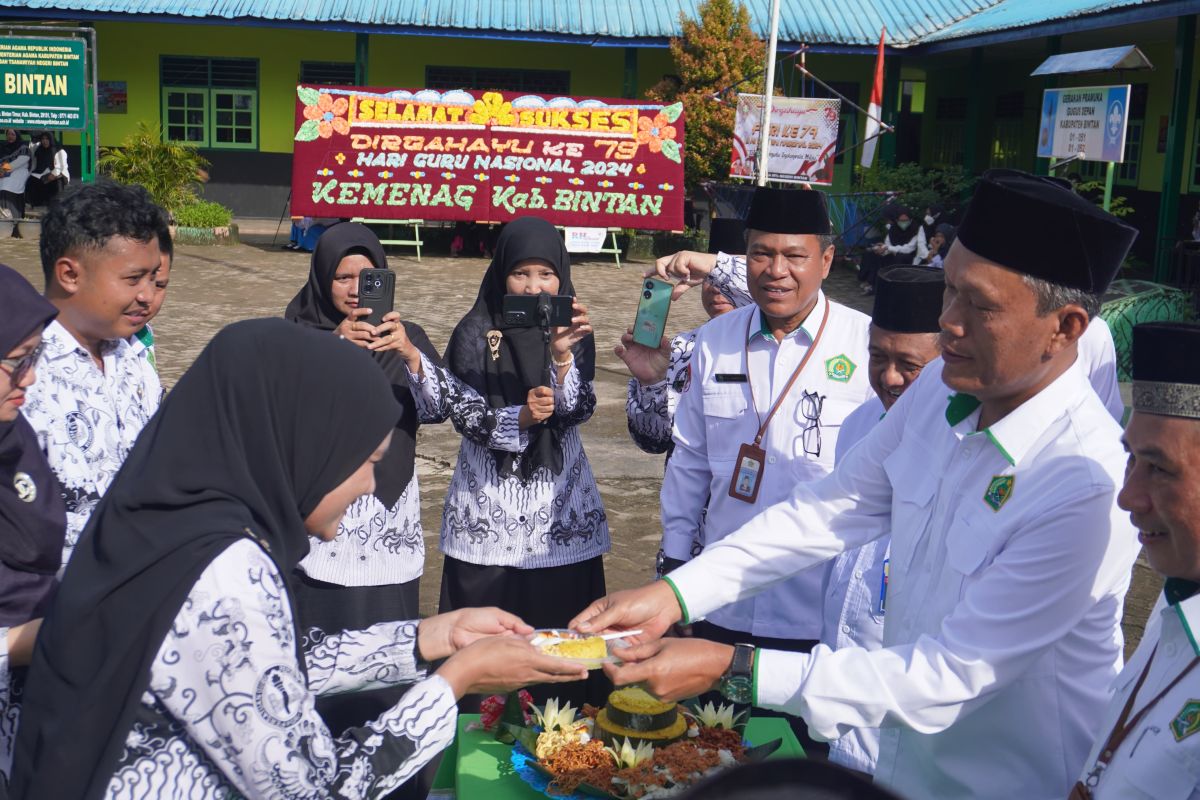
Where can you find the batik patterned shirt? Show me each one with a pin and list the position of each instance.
(494, 520)
(229, 712)
(87, 419)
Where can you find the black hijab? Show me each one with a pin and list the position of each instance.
(506, 380)
(248, 442)
(313, 306)
(43, 157)
(898, 236)
(33, 519)
(7, 148)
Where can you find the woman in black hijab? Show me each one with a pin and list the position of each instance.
(372, 571)
(898, 247)
(33, 519)
(524, 527)
(170, 655)
(48, 172)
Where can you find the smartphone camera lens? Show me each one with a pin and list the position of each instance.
(649, 285)
(647, 295)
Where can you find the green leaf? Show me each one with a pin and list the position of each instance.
(672, 112)
(308, 96)
(670, 149)
(308, 131)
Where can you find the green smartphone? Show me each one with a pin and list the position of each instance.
(651, 322)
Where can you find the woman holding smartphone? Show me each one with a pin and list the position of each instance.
(371, 571)
(170, 662)
(524, 527)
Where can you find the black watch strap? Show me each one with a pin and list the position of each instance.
(743, 661)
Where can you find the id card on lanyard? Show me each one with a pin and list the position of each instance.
(752, 459)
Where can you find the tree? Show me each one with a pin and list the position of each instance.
(716, 52)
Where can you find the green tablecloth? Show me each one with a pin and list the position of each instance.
(484, 771)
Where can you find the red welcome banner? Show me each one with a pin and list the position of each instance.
(487, 156)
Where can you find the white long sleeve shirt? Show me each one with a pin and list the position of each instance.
(1160, 757)
(1098, 355)
(1009, 565)
(715, 417)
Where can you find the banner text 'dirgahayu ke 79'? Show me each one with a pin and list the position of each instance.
(487, 156)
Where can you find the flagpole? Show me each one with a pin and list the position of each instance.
(764, 130)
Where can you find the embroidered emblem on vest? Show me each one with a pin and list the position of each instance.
(998, 491)
(1187, 721)
(26, 488)
(840, 368)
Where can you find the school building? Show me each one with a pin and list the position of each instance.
(221, 74)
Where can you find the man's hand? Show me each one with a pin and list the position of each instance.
(353, 329)
(442, 635)
(651, 608)
(645, 363)
(687, 267)
(672, 669)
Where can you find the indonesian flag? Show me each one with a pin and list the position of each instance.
(875, 108)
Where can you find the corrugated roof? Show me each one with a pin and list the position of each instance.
(1011, 14)
(853, 23)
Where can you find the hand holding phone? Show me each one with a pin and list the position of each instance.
(376, 292)
(650, 324)
(355, 329)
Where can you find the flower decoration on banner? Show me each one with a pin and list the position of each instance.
(635, 186)
(481, 177)
(576, 181)
(324, 115)
(387, 173)
(513, 178)
(492, 109)
(418, 174)
(641, 169)
(356, 173)
(492, 708)
(658, 133)
(448, 176)
(543, 179)
(325, 172)
(606, 184)
(340, 158)
(666, 187)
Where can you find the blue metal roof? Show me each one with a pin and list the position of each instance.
(844, 23)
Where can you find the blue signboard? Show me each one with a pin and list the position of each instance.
(1089, 119)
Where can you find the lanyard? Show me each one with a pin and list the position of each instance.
(762, 428)
(1125, 726)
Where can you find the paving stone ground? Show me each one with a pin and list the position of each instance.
(213, 286)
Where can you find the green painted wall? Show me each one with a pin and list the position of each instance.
(130, 52)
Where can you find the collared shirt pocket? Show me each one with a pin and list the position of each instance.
(1152, 764)
(968, 544)
(913, 488)
(727, 420)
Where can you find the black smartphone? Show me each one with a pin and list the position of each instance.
(376, 291)
(521, 310)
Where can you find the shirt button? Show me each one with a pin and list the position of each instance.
(845, 629)
(1170, 649)
(770, 459)
(858, 573)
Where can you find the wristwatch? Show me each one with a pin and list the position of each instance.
(663, 564)
(737, 684)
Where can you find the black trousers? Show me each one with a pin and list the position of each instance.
(715, 633)
(545, 597)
